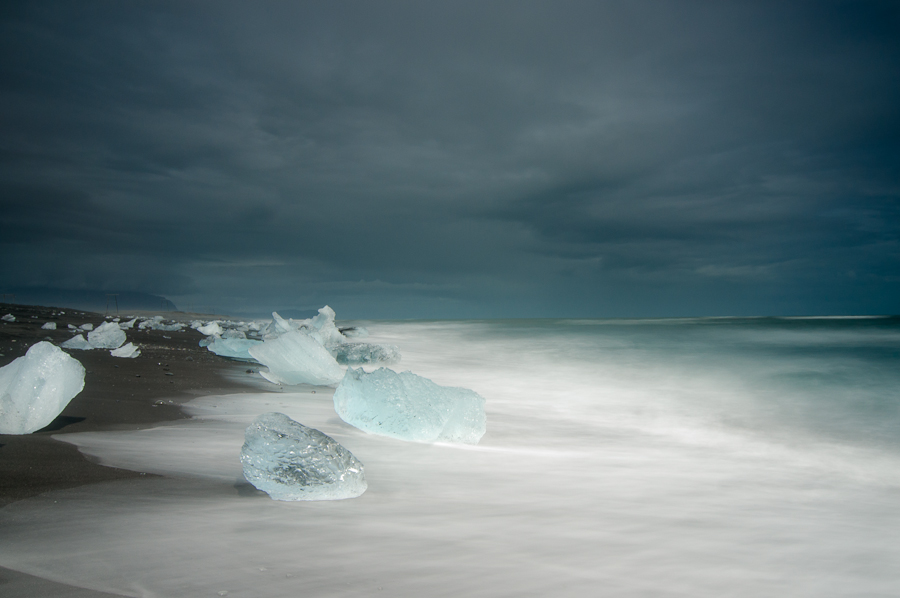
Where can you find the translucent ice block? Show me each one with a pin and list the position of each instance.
(409, 407)
(290, 461)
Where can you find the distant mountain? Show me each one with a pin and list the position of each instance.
(87, 300)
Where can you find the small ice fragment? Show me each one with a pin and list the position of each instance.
(409, 407)
(87, 326)
(210, 329)
(290, 461)
(127, 325)
(107, 336)
(128, 350)
(296, 358)
(359, 353)
(72, 327)
(77, 342)
(35, 388)
(8, 318)
(49, 326)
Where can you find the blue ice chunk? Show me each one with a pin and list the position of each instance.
(409, 407)
(235, 348)
(296, 358)
(290, 461)
(36, 387)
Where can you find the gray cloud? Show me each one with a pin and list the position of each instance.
(456, 159)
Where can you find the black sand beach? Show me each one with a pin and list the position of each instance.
(118, 394)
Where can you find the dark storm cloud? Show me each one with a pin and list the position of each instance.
(410, 159)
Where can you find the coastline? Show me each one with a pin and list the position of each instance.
(118, 394)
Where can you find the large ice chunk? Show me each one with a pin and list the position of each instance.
(296, 358)
(360, 353)
(235, 348)
(107, 336)
(36, 387)
(409, 407)
(290, 461)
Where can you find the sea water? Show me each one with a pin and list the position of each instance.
(695, 457)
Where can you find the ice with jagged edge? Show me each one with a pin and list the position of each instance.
(290, 461)
(409, 407)
(297, 358)
(49, 326)
(107, 336)
(128, 351)
(36, 387)
(77, 342)
(234, 348)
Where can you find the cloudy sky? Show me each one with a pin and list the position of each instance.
(456, 159)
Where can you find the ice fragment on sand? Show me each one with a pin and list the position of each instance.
(87, 326)
(127, 325)
(296, 358)
(49, 326)
(35, 388)
(128, 350)
(359, 353)
(107, 336)
(235, 348)
(290, 461)
(77, 342)
(409, 407)
(8, 318)
(212, 328)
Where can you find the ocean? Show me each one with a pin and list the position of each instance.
(670, 457)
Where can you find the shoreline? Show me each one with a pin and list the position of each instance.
(118, 394)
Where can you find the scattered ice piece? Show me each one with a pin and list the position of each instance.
(77, 342)
(107, 336)
(128, 350)
(127, 325)
(8, 318)
(87, 326)
(409, 407)
(35, 388)
(360, 353)
(173, 327)
(235, 348)
(150, 322)
(72, 327)
(296, 358)
(233, 334)
(49, 326)
(210, 329)
(290, 461)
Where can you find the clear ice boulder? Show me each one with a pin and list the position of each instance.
(290, 461)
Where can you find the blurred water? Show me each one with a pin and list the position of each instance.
(706, 457)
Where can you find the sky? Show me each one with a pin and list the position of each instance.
(456, 159)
